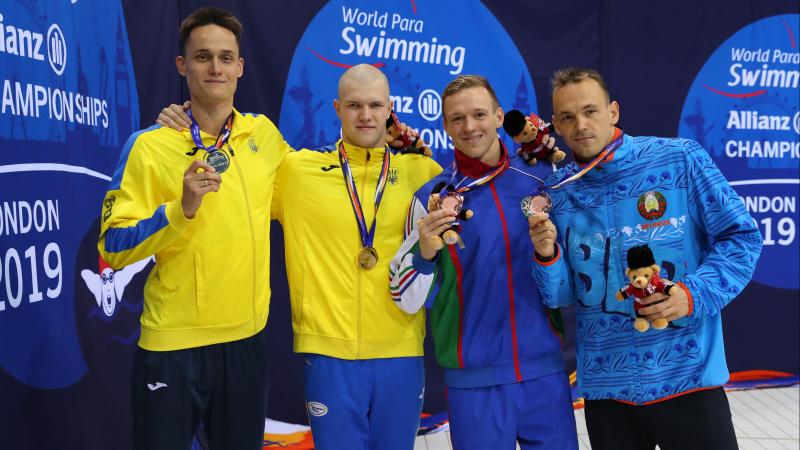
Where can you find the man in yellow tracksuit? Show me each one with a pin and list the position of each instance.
(343, 214)
(364, 374)
(200, 201)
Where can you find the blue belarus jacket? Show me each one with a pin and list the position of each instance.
(669, 194)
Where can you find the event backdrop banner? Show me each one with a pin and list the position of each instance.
(743, 108)
(69, 102)
(419, 50)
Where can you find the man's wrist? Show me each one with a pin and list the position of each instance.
(175, 216)
(423, 265)
(428, 254)
(546, 259)
(689, 298)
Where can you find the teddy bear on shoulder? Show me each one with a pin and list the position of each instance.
(395, 130)
(534, 135)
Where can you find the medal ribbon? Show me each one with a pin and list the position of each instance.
(603, 154)
(504, 164)
(367, 237)
(222, 138)
(486, 178)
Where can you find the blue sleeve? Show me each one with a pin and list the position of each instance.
(411, 277)
(554, 280)
(733, 240)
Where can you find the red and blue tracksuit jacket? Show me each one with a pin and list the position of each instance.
(489, 324)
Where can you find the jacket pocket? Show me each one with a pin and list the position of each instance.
(589, 278)
(219, 300)
(200, 294)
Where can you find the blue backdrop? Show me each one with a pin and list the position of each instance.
(78, 77)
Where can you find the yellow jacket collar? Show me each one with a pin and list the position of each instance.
(241, 125)
(356, 154)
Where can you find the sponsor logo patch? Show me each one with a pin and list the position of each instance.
(317, 409)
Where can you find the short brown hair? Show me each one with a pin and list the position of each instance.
(465, 82)
(574, 75)
(209, 16)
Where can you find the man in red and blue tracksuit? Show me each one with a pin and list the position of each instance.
(499, 345)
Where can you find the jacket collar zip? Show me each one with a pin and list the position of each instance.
(474, 167)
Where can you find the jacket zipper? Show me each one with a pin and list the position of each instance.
(358, 290)
(512, 317)
(252, 235)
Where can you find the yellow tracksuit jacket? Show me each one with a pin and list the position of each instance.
(338, 309)
(210, 283)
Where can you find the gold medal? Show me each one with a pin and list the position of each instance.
(367, 258)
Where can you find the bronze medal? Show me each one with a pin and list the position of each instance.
(367, 258)
(452, 203)
(542, 203)
(539, 203)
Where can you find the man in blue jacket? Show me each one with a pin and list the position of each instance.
(658, 387)
(501, 352)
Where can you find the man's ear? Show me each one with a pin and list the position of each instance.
(389, 107)
(499, 115)
(180, 64)
(613, 110)
(241, 68)
(336, 106)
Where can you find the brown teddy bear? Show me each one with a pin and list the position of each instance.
(534, 135)
(642, 271)
(411, 144)
(445, 196)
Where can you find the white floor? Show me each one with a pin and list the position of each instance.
(765, 419)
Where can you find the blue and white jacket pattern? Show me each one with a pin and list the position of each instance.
(669, 194)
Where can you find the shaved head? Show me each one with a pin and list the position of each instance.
(362, 75)
(363, 106)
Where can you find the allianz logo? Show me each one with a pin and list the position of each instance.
(429, 104)
(30, 44)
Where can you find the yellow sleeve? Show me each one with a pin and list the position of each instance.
(425, 168)
(433, 167)
(276, 140)
(278, 187)
(276, 143)
(138, 219)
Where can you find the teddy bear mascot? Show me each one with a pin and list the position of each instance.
(533, 134)
(642, 271)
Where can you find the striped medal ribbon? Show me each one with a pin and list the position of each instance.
(367, 257)
(542, 203)
(215, 156)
